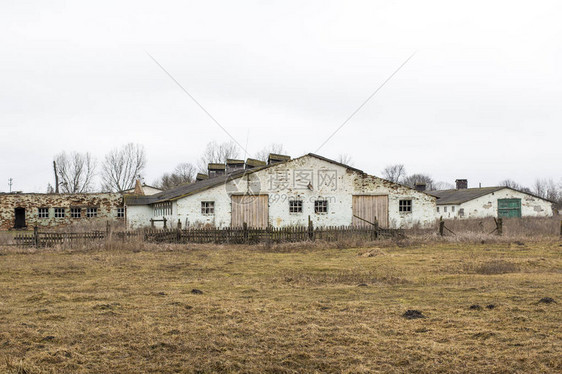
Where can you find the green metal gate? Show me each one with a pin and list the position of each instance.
(508, 208)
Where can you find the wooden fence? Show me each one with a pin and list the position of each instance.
(226, 235)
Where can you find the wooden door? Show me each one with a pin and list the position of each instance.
(369, 208)
(251, 209)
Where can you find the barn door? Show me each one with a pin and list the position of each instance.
(508, 208)
(251, 209)
(369, 208)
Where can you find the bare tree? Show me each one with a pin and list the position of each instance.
(411, 181)
(345, 159)
(546, 189)
(215, 152)
(184, 173)
(514, 185)
(121, 166)
(274, 148)
(443, 186)
(394, 173)
(511, 184)
(75, 172)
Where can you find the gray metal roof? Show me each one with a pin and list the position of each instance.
(462, 195)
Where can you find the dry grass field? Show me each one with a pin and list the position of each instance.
(289, 309)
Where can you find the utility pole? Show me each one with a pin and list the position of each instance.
(10, 183)
(56, 177)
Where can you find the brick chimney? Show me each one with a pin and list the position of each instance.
(462, 184)
(420, 186)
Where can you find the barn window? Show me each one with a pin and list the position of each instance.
(445, 209)
(405, 206)
(461, 212)
(92, 212)
(75, 212)
(43, 213)
(321, 206)
(59, 212)
(452, 208)
(207, 207)
(295, 206)
(437, 209)
(121, 212)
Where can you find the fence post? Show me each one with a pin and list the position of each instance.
(376, 228)
(152, 222)
(245, 227)
(310, 229)
(35, 236)
(179, 224)
(441, 225)
(165, 220)
(499, 225)
(561, 228)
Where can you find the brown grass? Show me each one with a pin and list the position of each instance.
(128, 308)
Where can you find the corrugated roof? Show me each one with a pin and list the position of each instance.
(462, 195)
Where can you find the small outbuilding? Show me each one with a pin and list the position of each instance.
(501, 201)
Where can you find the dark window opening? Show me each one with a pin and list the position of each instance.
(207, 207)
(92, 212)
(321, 206)
(43, 212)
(59, 212)
(75, 212)
(405, 206)
(295, 206)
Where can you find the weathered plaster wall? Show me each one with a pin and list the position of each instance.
(487, 206)
(307, 179)
(448, 211)
(139, 216)
(107, 204)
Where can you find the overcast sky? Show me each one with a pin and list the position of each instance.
(481, 99)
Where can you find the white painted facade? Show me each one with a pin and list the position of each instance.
(487, 206)
(307, 178)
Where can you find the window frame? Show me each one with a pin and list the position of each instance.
(405, 206)
(120, 212)
(321, 206)
(92, 212)
(75, 212)
(43, 212)
(59, 212)
(295, 206)
(208, 208)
